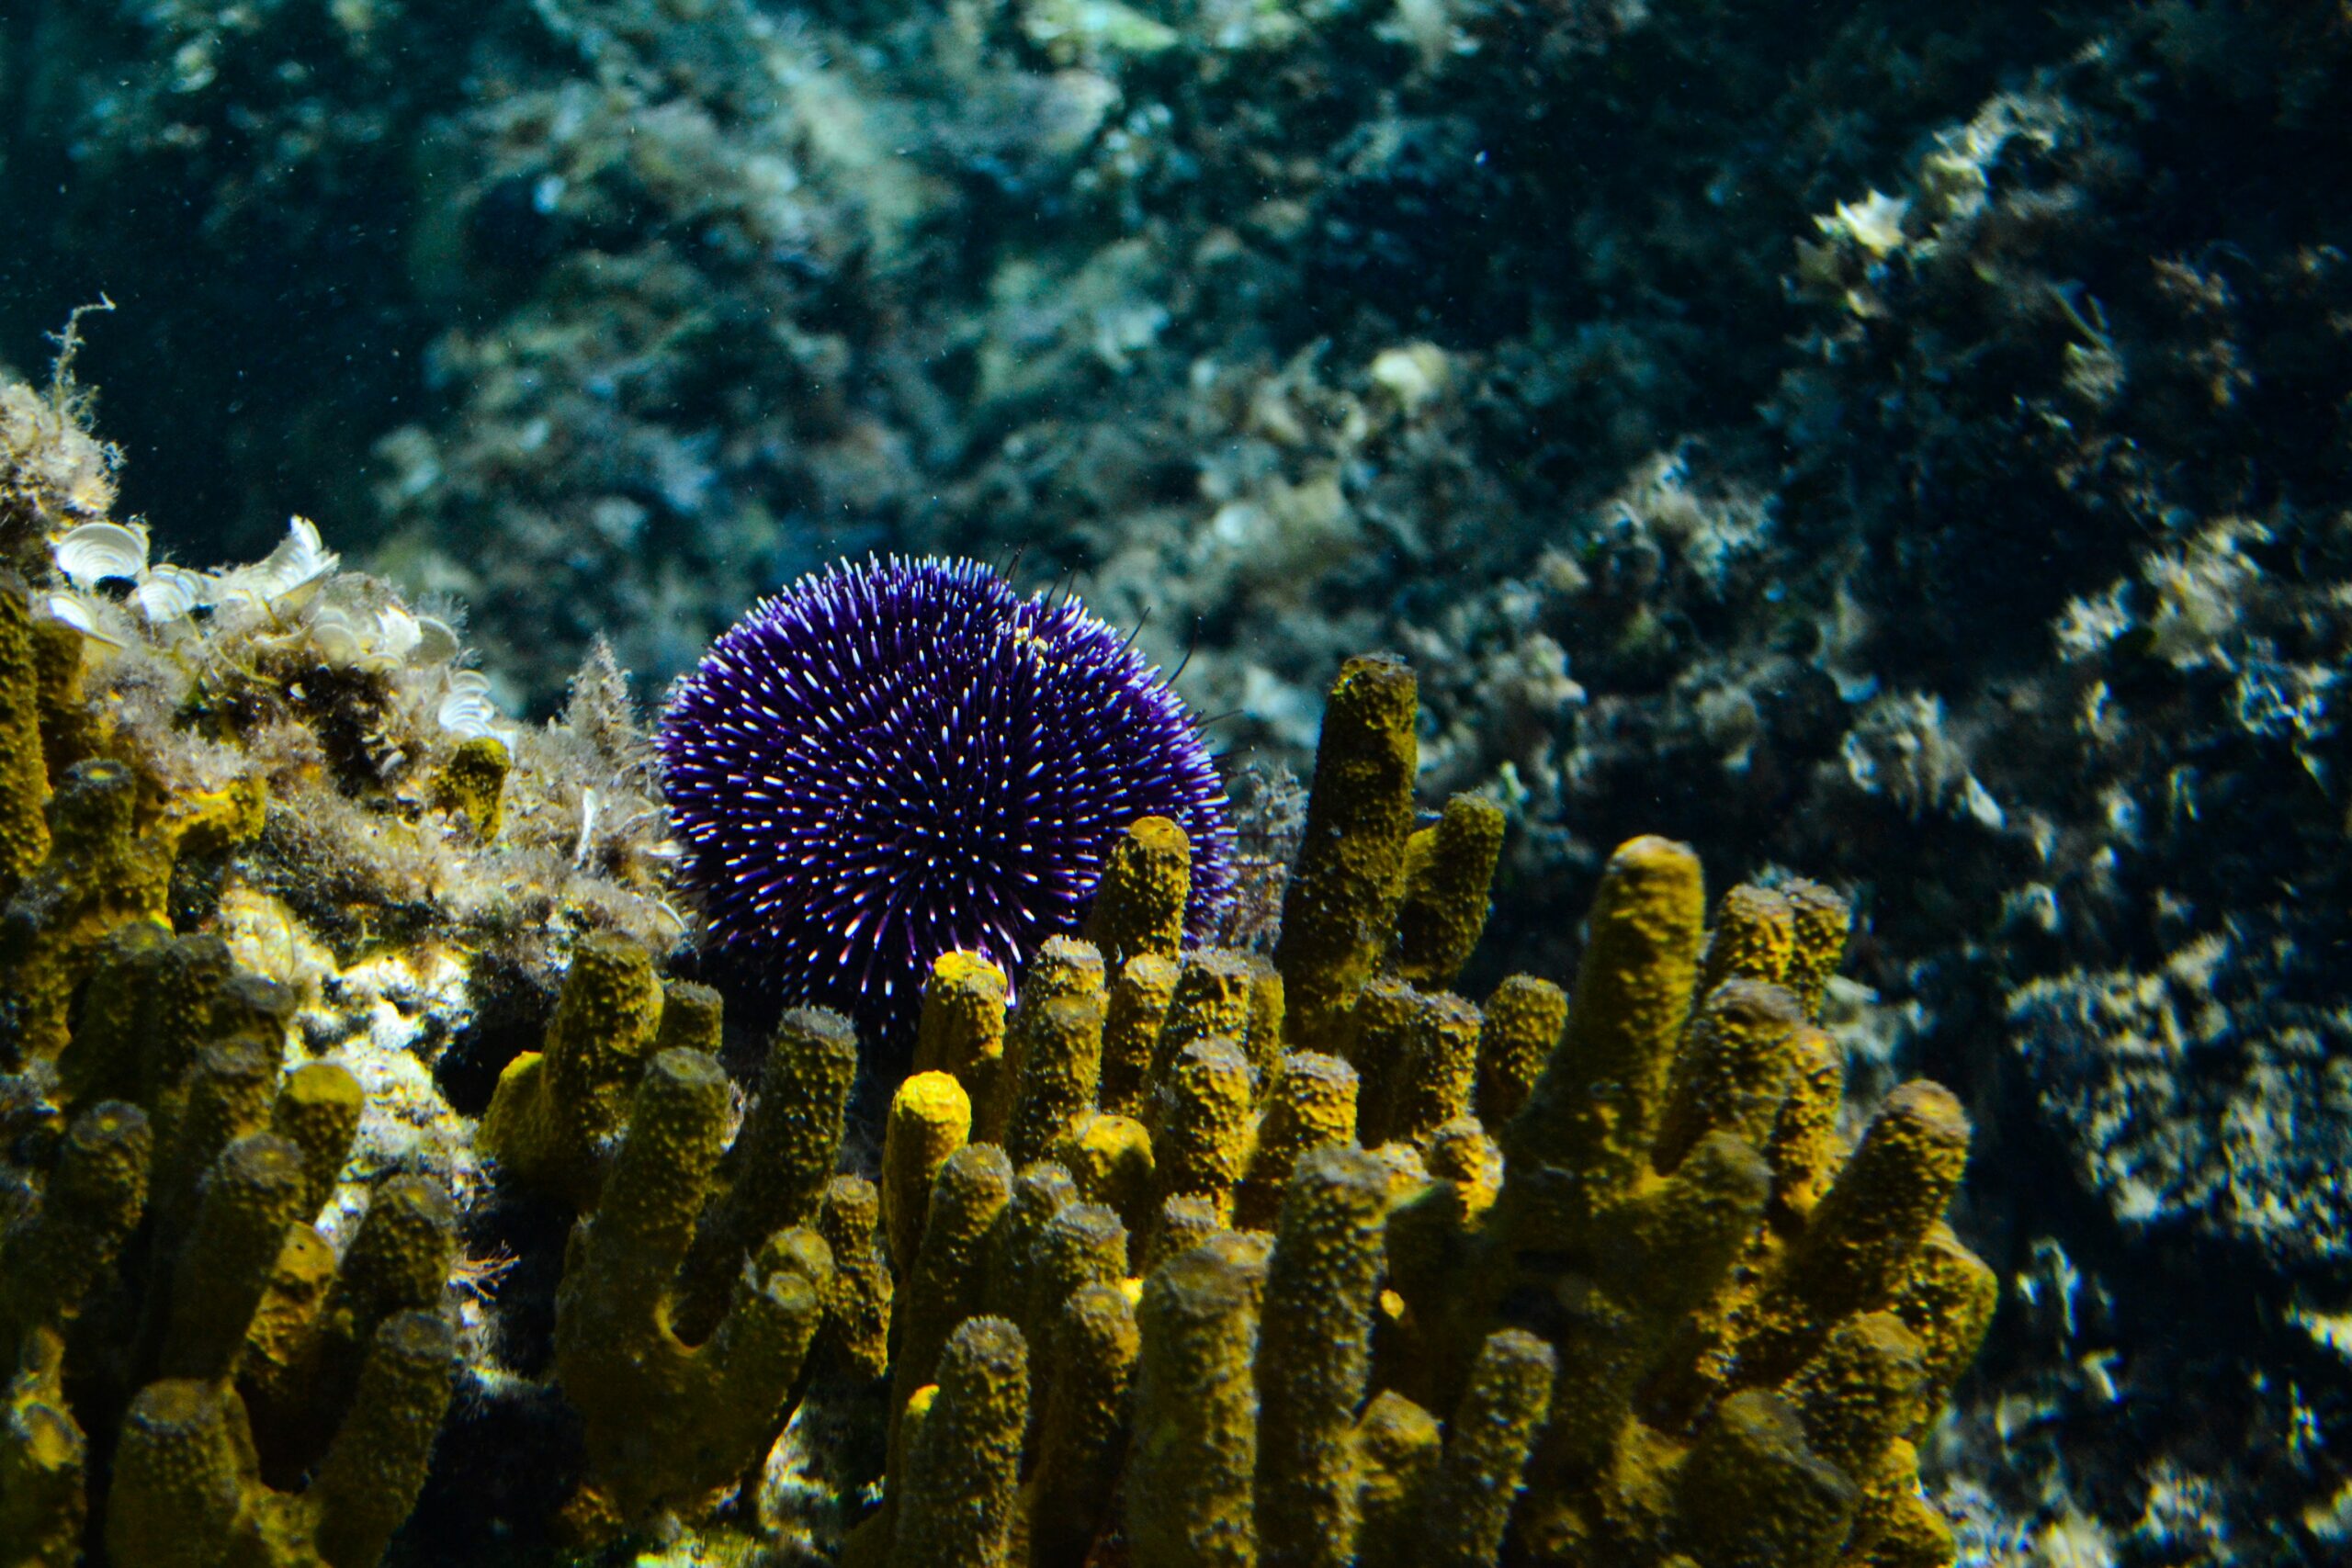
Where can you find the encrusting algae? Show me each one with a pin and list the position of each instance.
(1186, 1258)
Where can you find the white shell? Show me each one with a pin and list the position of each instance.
(587, 827)
(291, 572)
(93, 552)
(334, 640)
(396, 635)
(72, 611)
(82, 614)
(299, 557)
(169, 592)
(466, 709)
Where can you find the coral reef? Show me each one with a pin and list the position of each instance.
(555, 1109)
(1222, 302)
(289, 756)
(58, 474)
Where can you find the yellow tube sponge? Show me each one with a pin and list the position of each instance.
(1524, 1019)
(665, 1420)
(1195, 1450)
(1262, 1034)
(930, 1119)
(1431, 1231)
(1469, 1500)
(857, 1311)
(1315, 1356)
(1380, 1037)
(949, 1272)
(186, 1490)
(1082, 1432)
(554, 1108)
(227, 1093)
(1202, 1142)
(1946, 1302)
(371, 1474)
(1313, 1105)
(70, 730)
(145, 1013)
(1447, 871)
(1859, 1248)
(693, 1019)
(1181, 1224)
(1668, 1250)
(1138, 1003)
(317, 1110)
(775, 1170)
(961, 1028)
(1859, 1391)
(1064, 967)
(964, 1466)
(1061, 1067)
(1736, 1069)
(1360, 811)
(235, 1354)
(178, 1492)
(52, 1256)
(277, 1369)
(1139, 903)
(100, 872)
(1582, 1140)
(1753, 938)
(1804, 1147)
(24, 769)
(1820, 920)
(1110, 1158)
(1460, 1152)
(1894, 1526)
(400, 1257)
(254, 1191)
(42, 1462)
(1039, 1193)
(1211, 1001)
(310, 1337)
(1752, 1495)
(1431, 1086)
(1083, 1245)
(1398, 1448)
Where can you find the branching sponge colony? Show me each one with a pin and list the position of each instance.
(1184, 1276)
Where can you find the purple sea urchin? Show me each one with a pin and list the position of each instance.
(888, 762)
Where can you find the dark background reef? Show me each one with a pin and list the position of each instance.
(1986, 555)
(733, 288)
